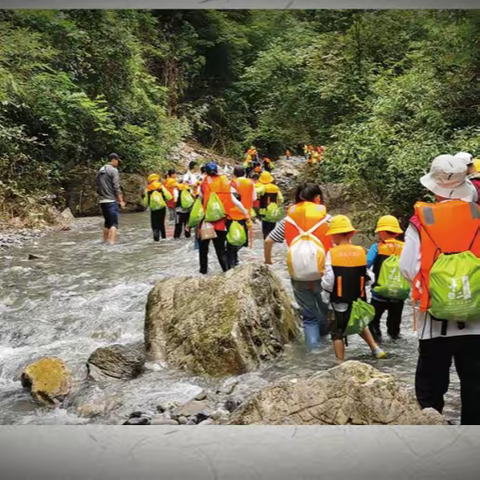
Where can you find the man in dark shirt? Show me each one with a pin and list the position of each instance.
(108, 189)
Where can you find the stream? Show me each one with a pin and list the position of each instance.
(80, 295)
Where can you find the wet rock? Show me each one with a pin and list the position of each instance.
(232, 404)
(208, 421)
(116, 361)
(192, 408)
(48, 380)
(66, 218)
(32, 256)
(351, 393)
(201, 396)
(208, 325)
(165, 406)
(138, 421)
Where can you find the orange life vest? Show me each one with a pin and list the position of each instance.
(306, 215)
(349, 264)
(170, 184)
(220, 185)
(445, 227)
(245, 187)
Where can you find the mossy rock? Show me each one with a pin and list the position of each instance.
(221, 325)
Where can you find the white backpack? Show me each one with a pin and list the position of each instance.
(306, 254)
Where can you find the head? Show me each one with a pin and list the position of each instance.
(192, 166)
(238, 172)
(266, 178)
(171, 173)
(341, 230)
(388, 227)
(211, 169)
(154, 177)
(114, 159)
(254, 176)
(447, 179)
(309, 192)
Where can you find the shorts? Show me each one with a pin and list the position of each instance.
(337, 323)
(110, 213)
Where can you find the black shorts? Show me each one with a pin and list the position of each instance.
(337, 323)
(110, 213)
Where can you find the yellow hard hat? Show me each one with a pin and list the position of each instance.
(153, 177)
(265, 177)
(388, 223)
(476, 163)
(340, 224)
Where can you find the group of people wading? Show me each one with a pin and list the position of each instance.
(437, 265)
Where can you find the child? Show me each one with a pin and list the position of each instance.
(182, 214)
(344, 282)
(388, 229)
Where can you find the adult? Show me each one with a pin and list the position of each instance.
(192, 177)
(108, 189)
(157, 205)
(245, 188)
(221, 186)
(473, 175)
(270, 194)
(267, 164)
(181, 213)
(308, 211)
(449, 225)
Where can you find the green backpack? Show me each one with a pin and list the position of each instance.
(186, 199)
(273, 213)
(361, 315)
(455, 287)
(214, 211)
(236, 235)
(156, 201)
(196, 214)
(391, 283)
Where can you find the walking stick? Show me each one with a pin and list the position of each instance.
(250, 235)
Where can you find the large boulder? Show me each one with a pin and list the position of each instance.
(48, 380)
(116, 361)
(220, 325)
(351, 393)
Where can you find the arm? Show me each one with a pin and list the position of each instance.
(279, 198)
(116, 186)
(277, 235)
(237, 202)
(372, 255)
(410, 257)
(328, 279)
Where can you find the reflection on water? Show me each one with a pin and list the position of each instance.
(81, 295)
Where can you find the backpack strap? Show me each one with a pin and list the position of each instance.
(308, 232)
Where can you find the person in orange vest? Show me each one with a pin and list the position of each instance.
(388, 229)
(157, 213)
(308, 212)
(288, 154)
(448, 226)
(222, 187)
(270, 193)
(170, 184)
(267, 164)
(344, 282)
(245, 188)
(182, 214)
(472, 173)
(259, 189)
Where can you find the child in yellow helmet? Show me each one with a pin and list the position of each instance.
(388, 229)
(344, 282)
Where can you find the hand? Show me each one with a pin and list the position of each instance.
(122, 204)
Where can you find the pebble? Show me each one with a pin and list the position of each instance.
(201, 396)
(182, 420)
(163, 421)
(163, 407)
(208, 421)
(220, 413)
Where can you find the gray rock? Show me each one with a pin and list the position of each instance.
(201, 396)
(351, 393)
(208, 325)
(166, 406)
(116, 361)
(208, 421)
(182, 420)
(219, 414)
(191, 408)
(163, 421)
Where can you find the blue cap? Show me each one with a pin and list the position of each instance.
(211, 167)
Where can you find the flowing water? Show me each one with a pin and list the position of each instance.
(81, 295)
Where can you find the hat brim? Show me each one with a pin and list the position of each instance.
(336, 232)
(462, 192)
(386, 229)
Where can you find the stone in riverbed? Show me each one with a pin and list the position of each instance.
(48, 380)
(116, 361)
(351, 393)
(220, 325)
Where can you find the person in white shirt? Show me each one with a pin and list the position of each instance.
(448, 226)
